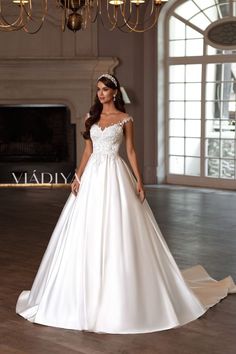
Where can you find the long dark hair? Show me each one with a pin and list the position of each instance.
(96, 109)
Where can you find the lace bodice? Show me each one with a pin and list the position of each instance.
(108, 140)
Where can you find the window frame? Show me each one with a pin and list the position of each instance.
(164, 62)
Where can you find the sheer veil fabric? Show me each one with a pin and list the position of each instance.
(107, 267)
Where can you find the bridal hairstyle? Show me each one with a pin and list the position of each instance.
(96, 109)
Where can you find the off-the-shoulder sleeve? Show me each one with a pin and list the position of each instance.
(126, 120)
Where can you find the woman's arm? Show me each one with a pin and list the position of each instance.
(131, 154)
(80, 169)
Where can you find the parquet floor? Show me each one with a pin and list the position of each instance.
(200, 228)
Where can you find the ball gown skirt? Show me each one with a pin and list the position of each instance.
(107, 267)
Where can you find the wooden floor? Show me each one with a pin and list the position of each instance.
(200, 228)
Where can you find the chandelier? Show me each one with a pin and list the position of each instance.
(125, 15)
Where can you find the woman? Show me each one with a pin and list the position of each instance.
(107, 267)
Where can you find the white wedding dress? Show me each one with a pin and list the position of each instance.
(107, 267)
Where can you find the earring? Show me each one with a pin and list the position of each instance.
(114, 97)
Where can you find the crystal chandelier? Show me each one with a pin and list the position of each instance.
(126, 15)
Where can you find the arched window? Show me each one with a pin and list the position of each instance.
(199, 56)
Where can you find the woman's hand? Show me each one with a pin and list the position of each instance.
(140, 191)
(75, 185)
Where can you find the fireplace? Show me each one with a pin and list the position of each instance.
(37, 144)
(48, 152)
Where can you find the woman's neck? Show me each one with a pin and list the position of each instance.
(109, 108)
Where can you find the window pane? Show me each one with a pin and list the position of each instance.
(193, 128)
(194, 73)
(193, 109)
(227, 90)
(176, 127)
(224, 9)
(228, 148)
(177, 92)
(227, 130)
(213, 110)
(212, 91)
(212, 147)
(193, 92)
(200, 21)
(227, 169)
(234, 8)
(191, 33)
(177, 48)
(212, 168)
(177, 28)
(192, 147)
(177, 73)
(176, 110)
(211, 72)
(232, 110)
(192, 166)
(213, 51)
(203, 4)
(212, 13)
(212, 128)
(176, 165)
(194, 47)
(187, 9)
(176, 146)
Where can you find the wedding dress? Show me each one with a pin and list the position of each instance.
(107, 267)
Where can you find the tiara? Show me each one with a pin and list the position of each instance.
(108, 76)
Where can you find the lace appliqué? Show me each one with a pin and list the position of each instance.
(107, 140)
(126, 120)
(120, 123)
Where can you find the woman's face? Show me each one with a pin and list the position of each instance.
(104, 93)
